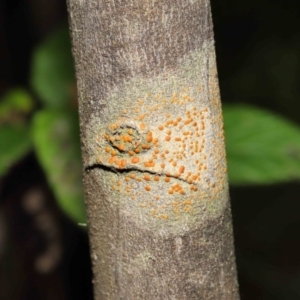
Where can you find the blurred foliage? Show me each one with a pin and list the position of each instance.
(56, 142)
(262, 148)
(52, 70)
(15, 143)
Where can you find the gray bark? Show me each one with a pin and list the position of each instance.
(153, 149)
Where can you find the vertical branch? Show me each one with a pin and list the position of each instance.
(153, 149)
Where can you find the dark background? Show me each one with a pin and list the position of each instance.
(43, 255)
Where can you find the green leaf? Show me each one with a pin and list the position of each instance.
(56, 141)
(262, 148)
(14, 105)
(15, 143)
(53, 71)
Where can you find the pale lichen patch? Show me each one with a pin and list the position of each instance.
(160, 139)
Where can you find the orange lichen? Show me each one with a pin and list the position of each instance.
(149, 138)
(147, 177)
(181, 169)
(149, 164)
(121, 147)
(135, 160)
(111, 159)
(147, 188)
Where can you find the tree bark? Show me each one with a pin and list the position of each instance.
(153, 150)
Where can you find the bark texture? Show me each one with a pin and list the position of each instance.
(153, 149)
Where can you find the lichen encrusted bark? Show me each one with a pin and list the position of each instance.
(153, 150)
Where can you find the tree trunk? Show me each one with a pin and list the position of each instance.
(153, 150)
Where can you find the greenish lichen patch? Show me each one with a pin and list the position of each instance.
(161, 147)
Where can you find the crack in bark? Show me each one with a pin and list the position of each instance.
(128, 170)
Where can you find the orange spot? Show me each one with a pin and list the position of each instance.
(156, 178)
(147, 188)
(170, 191)
(147, 177)
(174, 163)
(149, 164)
(130, 131)
(142, 126)
(168, 138)
(149, 138)
(181, 169)
(137, 150)
(131, 153)
(156, 151)
(121, 147)
(141, 117)
(135, 160)
(167, 179)
(132, 176)
(162, 166)
(160, 127)
(107, 149)
(111, 159)
(123, 163)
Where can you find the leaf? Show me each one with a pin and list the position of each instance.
(15, 104)
(262, 148)
(15, 143)
(52, 74)
(56, 141)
